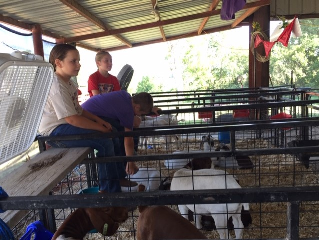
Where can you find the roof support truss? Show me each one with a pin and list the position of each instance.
(89, 16)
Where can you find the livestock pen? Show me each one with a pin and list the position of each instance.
(278, 176)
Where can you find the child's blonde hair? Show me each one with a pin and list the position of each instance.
(100, 54)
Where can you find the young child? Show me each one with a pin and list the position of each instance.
(119, 108)
(64, 116)
(102, 81)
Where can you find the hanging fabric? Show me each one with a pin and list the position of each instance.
(230, 7)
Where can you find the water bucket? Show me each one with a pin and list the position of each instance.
(224, 137)
(92, 190)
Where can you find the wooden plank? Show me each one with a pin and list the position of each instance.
(40, 175)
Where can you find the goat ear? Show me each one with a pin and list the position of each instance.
(102, 222)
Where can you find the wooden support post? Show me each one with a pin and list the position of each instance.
(258, 71)
(37, 40)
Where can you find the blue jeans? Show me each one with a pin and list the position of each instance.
(109, 173)
(116, 124)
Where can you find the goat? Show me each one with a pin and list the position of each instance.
(82, 220)
(161, 222)
(207, 143)
(243, 162)
(208, 222)
(200, 163)
(149, 177)
(185, 179)
(304, 158)
(162, 120)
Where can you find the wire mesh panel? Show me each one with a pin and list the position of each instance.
(24, 86)
(258, 155)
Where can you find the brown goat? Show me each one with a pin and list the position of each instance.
(81, 221)
(161, 222)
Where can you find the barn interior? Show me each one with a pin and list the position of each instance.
(263, 137)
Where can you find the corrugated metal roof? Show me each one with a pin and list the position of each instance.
(119, 24)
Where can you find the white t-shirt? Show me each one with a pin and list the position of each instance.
(62, 102)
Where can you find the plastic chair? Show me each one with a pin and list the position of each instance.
(40, 233)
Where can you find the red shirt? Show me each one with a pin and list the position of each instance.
(104, 84)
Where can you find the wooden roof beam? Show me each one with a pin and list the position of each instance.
(89, 16)
(84, 13)
(212, 7)
(26, 26)
(161, 23)
(155, 10)
(246, 14)
(142, 26)
(193, 34)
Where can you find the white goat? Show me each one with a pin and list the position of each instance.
(149, 177)
(185, 179)
(162, 120)
(207, 143)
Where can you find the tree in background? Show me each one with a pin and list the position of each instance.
(212, 62)
(207, 64)
(147, 85)
(300, 57)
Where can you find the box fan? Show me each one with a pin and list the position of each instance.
(25, 81)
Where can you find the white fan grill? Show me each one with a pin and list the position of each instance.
(24, 87)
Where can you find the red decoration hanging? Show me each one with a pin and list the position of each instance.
(283, 38)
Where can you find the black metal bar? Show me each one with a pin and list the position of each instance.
(293, 220)
(283, 88)
(88, 174)
(243, 195)
(232, 140)
(229, 126)
(227, 107)
(248, 95)
(51, 218)
(51, 225)
(273, 151)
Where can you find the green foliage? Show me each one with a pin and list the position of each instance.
(147, 85)
(214, 66)
(299, 59)
(211, 62)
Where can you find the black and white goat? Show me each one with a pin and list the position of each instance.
(241, 162)
(207, 221)
(187, 179)
(162, 120)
